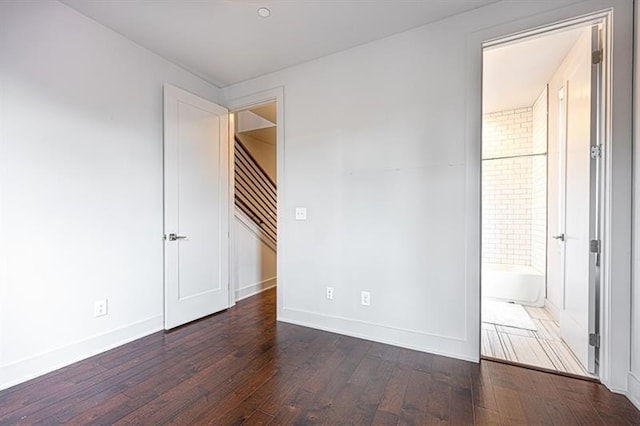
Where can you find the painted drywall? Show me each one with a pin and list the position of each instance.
(264, 153)
(80, 186)
(254, 258)
(634, 373)
(254, 253)
(81, 159)
(392, 185)
(247, 121)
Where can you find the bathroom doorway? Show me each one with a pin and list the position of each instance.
(540, 178)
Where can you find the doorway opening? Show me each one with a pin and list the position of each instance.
(254, 224)
(541, 158)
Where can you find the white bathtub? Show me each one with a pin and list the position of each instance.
(513, 283)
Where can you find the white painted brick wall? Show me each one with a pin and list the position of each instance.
(511, 221)
(539, 185)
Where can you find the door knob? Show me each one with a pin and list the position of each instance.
(558, 237)
(174, 237)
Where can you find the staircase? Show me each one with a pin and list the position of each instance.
(255, 192)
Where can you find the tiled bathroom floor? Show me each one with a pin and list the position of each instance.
(540, 348)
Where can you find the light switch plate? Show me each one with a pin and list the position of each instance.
(301, 213)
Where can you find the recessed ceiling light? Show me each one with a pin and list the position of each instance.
(264, 12)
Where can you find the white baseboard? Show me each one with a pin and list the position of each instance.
(423, 342)
(552, 309)
(29, 368)
(253, 289)
(633, 389)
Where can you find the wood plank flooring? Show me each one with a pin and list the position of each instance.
(542, 348)
(242, 367)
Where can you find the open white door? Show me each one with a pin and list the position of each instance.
(578, 316)
(556, 215)
(196, 207)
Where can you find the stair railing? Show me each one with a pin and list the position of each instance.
(255, 192)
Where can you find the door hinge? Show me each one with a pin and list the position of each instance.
(596, 57)
(594, 340)
(594, 246)
(596, 152)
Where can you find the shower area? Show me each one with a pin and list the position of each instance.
(532, 95)
(516, 327)
(514, 187)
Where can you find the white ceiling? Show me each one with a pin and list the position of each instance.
(514, 75)
(225, 41)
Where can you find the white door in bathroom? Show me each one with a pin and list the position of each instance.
(578, 314)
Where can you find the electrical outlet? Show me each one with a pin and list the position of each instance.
(330, 293)
(365, 298)
(100, 308)
(301, 213)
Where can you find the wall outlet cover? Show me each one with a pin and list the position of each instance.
(365, 298)
(301, 213)
(100, 308)
(330, 293)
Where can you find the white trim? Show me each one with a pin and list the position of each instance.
(616, 233)
(259, 98)
(633, 381)
(633, 389)
(372, 332)
(29, 368)
(371, 324)
(253, 289)
(553, 309)
(232, 208)
(606, 207)
(615, 288)
(542, 30)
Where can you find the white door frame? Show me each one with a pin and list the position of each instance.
(242, 103)
(605, 202)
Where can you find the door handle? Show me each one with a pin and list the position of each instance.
(558, 237)
(174, 237)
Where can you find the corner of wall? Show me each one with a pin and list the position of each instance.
(633, 389)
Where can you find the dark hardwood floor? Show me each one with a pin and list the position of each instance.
(241, 367)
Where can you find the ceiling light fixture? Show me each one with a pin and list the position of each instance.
(264, 12)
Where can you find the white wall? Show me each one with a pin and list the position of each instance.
(263, 152)
(514, 189)
(248, 120)
(254, 258)
(507, 186)
(634, 374)
(254, 253)
(539, 184)
(80, 186)
(392, 185)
